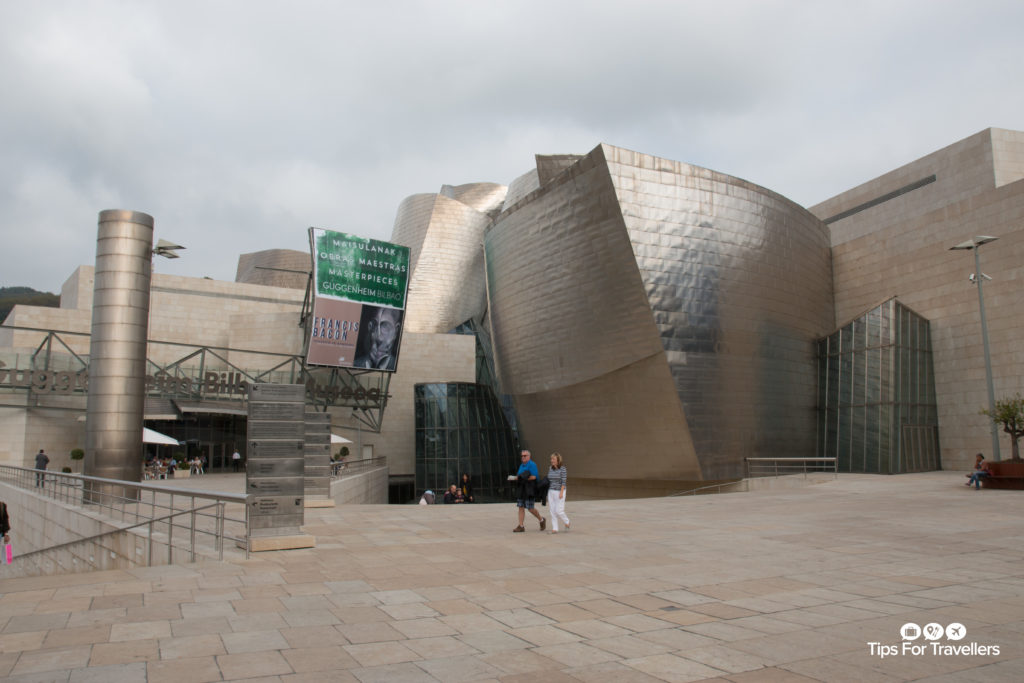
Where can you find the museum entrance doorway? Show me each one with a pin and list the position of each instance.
(212, 436)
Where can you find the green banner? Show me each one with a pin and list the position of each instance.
(358, 269)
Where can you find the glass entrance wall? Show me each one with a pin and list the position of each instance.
(212, 435)
(461, 428)
(877, 411)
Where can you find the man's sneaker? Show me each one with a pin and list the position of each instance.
(518, 530)
(543, 523)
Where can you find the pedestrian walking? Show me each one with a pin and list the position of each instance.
(42, 460)
(556, 492)
(526, 489)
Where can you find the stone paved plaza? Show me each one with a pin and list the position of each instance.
(787, 585)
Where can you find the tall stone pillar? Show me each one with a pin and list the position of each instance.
(117, 351)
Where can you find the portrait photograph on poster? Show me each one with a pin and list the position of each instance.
(379, 330)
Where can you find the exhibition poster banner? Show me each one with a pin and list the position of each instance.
(359, 288)
(357, 269)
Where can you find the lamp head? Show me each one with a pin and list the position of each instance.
(166, 249)
(974, 242)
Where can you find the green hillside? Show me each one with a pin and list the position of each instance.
(12, 296)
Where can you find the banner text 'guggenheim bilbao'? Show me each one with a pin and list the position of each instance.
(359, 288)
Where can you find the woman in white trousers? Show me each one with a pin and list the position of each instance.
(556, 493)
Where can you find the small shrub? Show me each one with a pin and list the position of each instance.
(66, 470)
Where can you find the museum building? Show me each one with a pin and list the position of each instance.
(655, 322)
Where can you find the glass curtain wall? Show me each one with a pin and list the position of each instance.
(485, 367)
(877, 411)
(461, 428)
(214, 437)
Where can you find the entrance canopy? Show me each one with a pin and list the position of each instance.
(151, 436)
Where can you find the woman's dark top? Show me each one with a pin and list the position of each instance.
(5, 521)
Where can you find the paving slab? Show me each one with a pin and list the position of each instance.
(800, 584)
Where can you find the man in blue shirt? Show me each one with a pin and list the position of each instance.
(526, 487)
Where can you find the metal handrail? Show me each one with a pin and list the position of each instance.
(138, 501)
(357, 466)
(690, 492)
(769, 467)
(149, 548)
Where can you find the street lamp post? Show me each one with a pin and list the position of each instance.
(974, 244)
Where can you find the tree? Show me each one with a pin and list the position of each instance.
(1009, 412)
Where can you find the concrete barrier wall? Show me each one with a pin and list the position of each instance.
(366, 487)
(38, 523)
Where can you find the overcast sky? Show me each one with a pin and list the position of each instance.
(239, 124)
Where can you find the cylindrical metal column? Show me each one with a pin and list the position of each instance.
(117, 351)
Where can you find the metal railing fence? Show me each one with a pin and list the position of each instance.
(340, 470)
(703, 490)
(777, 467)
(159, 508)
(150, 536)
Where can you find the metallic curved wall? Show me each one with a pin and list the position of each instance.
(656, 319)
(274, 268)
(117, 350)
(445, 235)
(522, 186)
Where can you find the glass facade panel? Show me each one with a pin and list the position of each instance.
(461, 428)
(877, 411)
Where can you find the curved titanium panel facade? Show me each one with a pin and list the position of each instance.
(739, 280)
(567, 302)
(117, 350)
(625, 261)
(445, 235)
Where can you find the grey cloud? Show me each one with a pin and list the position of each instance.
(239, 124)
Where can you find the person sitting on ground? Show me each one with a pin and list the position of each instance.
(428, 498)
(980, 470)
(466, 489)
(453, 495)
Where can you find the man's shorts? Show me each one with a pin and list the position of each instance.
(525, 503)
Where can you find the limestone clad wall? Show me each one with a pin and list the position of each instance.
(901, 248)
(200, 312)
(424, 358)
